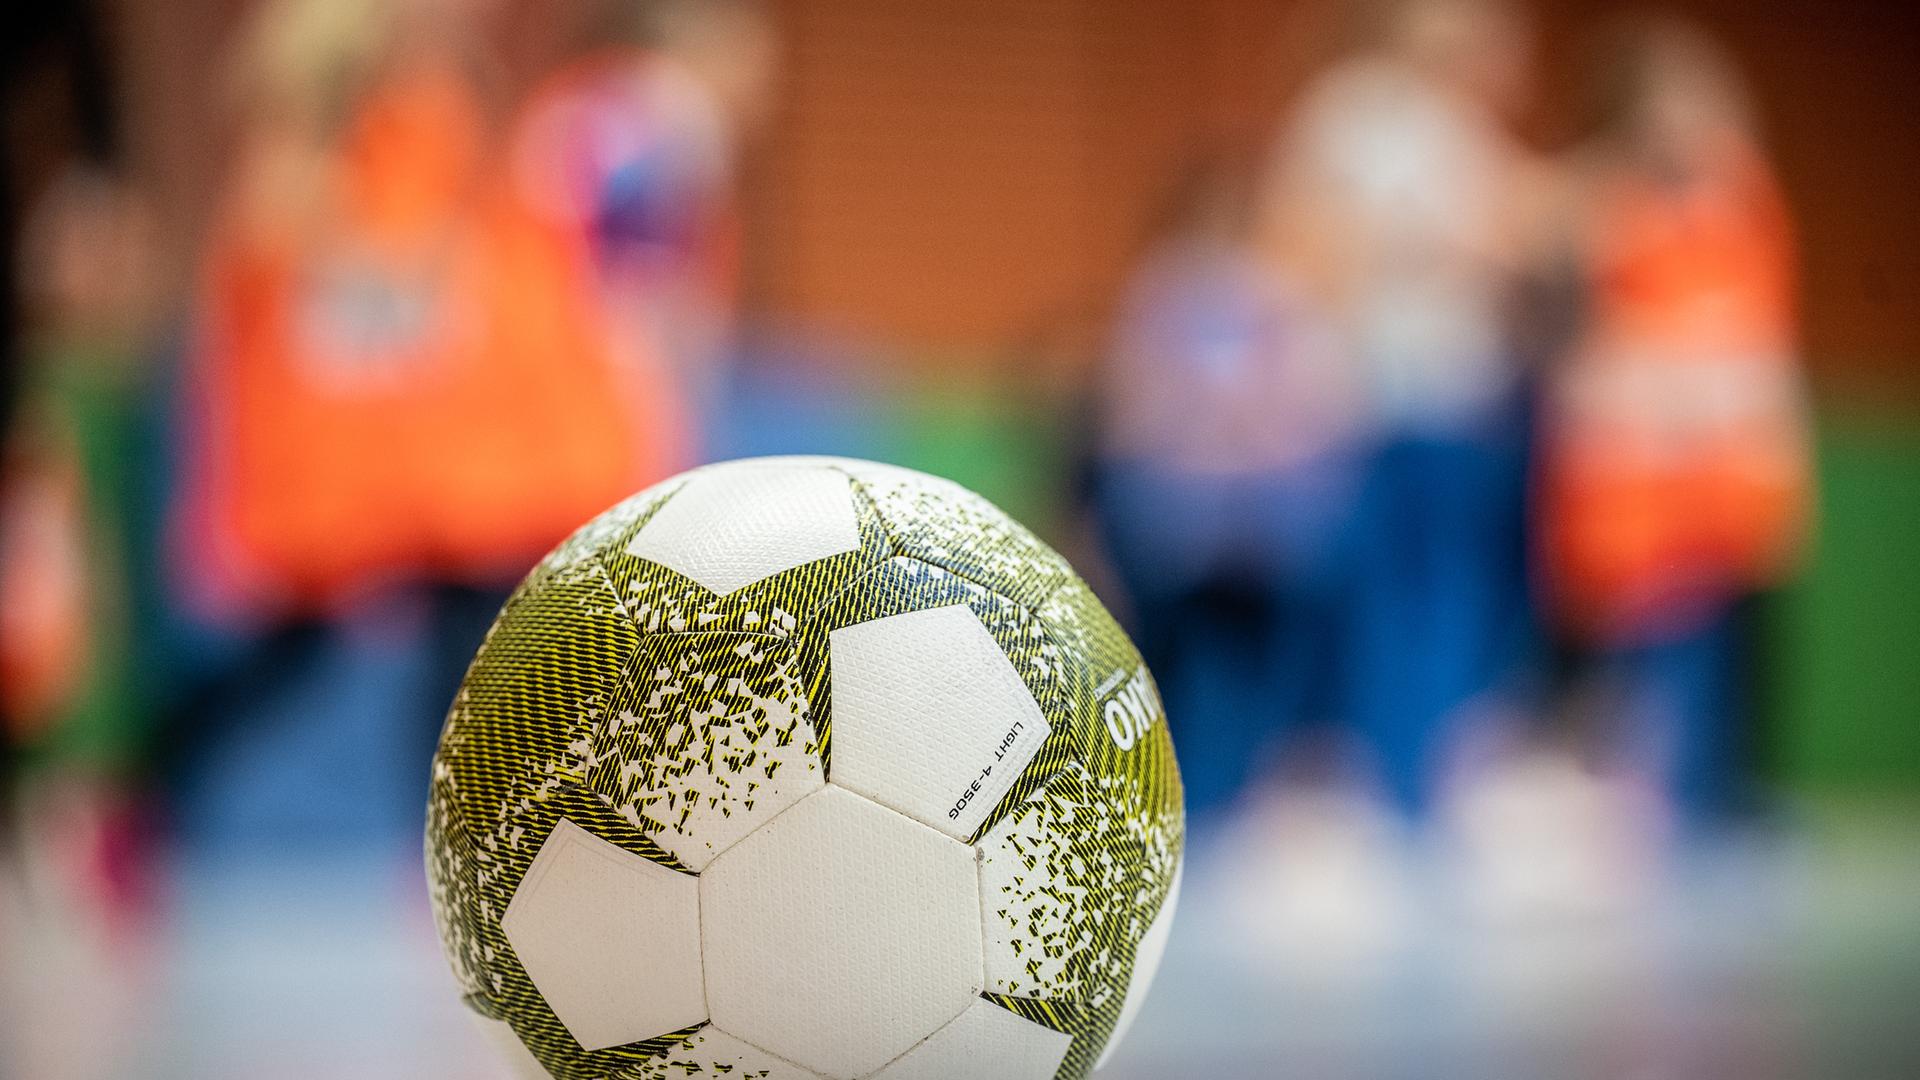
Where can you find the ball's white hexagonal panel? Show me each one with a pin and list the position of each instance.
(841, 934)
(611, 940)
(733, 525)
(713, 1054)
(1146, 964)
(516, 1061)
(984, 1043)
(929, 717)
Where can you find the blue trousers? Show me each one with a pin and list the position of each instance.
(1235, 583)
(1680, 704)
(1438, 610)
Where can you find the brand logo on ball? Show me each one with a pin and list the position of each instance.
(1131, 710)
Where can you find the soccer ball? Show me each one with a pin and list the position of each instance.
(805, 769)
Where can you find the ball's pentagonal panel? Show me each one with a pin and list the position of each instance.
(840, 934)
(710, 737)
(712, 1054)
(590, 541)
(611, 940)
(942, 523)
(929, 718)
(984, 1043)
(518, 1062)
(453, 869)
(1041, 897)
(1146, 963)
(727, 528)
(1070, 879)
(543, 674)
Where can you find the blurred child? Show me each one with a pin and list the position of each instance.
(75, 828)
(71, 467)
(401, 373)
(631, 148)
(404, 386)
(1226, 477)
(1674, 479)
(1400, 200)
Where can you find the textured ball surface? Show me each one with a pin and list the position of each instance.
(805, 769)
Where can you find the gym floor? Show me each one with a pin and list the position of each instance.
(1794, 954)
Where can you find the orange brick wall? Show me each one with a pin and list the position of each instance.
(974, 172)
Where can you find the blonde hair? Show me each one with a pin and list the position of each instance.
(1639, 57)
(305, 62)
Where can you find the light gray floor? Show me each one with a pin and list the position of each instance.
(1765, 960)
(1783, 958)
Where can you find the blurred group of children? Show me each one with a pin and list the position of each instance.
(1413, 441)
(1441, 468)
(463, 287)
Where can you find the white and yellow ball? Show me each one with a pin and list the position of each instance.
(804, 768)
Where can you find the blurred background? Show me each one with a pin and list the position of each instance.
(1499, 424)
